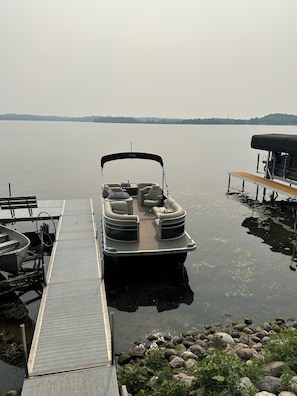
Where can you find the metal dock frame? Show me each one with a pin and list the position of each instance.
(264, 183)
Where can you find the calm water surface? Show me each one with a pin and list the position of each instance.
(231, 275)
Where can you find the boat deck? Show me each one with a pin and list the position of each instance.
(272, 185)
(71, 349)
(148, 239)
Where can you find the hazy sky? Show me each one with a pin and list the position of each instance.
(164, 58)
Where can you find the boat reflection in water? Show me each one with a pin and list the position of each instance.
(157, 282)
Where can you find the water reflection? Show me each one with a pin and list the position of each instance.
(13, 313)
(275, 223)
(274, 235)
(162, 283)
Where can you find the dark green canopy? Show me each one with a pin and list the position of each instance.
(131, 155)
(276, 142)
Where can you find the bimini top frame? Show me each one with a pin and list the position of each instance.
(131, 155)
(136, 155)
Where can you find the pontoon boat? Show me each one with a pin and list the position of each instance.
(141, 218)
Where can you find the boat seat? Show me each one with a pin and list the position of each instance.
(166, 208)
(153, 197)
(119, 207)
(142, 189)
(108, 189)
(114, 210)
(122, 207)
(8, 245)
(3, 237)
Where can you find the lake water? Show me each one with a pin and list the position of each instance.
(233, 273)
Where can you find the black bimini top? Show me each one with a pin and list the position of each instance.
(131, 155)
(276, 142)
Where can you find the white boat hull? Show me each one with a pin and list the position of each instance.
(13, 249)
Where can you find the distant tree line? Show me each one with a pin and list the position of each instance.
(30, 117)
(270, 119)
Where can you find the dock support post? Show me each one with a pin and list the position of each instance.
(229, 181)
(43, 273)
(25, 351)
(42, 230)
(242, 187)
(264, 193)
(257, 192)
(102, 267)
(293, 258)
(111, 318)
(294, 243)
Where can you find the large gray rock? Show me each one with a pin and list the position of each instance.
(170, 352)
(189, 355)
(190, 363)
(293, 383)
(267, 326)
(197, 350)
(137, 351)
(188, 379)
(242, 351)
(274, 368)
(180, 349)
(177, 362)
(246, 353)
(13, 392)
(224, 337)
(269, 384)
(124, 358)
(244, 385)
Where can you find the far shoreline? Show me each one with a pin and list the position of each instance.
(277, 119)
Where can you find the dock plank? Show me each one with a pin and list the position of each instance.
(94, 381)
(73, 331)
(76, 262)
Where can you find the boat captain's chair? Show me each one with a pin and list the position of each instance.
(153, 197)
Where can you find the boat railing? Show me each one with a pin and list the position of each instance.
(282, 167)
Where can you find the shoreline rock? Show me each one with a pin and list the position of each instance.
(245, 341)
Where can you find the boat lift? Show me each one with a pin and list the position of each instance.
(279, 176)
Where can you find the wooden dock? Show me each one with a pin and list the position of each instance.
(267, 184)
(71, 351)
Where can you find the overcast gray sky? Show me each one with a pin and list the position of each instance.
(164, 58)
